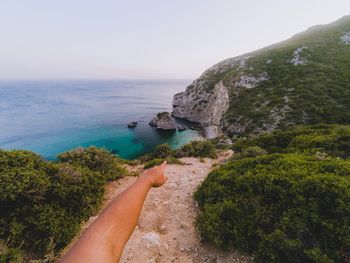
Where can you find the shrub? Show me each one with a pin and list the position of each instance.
(97, 160)
(332, 139)
(197, 149)
(251, 151)
(282, 207)
(43, 203)
(162, 151)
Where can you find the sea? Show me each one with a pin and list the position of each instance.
(53, 116)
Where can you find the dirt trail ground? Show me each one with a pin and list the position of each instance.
(165, 231)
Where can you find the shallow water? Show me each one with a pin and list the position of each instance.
(50, 117)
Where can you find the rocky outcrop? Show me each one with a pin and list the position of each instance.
(163, 121)
(345, 38)
(298, 58)
(132, 124)
(202, 106)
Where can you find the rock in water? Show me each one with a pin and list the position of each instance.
(132, 124)
(163, 121)
(181, 127)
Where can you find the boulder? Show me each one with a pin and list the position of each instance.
(226, 141)
(132, 124)
(163, 121)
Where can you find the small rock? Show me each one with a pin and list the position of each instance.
(226, 142)
(151, 239)
(162, 229)
(132, 124)
(181, 127)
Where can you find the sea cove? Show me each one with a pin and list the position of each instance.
(50, 117)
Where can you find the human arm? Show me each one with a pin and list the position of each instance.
(105, 239)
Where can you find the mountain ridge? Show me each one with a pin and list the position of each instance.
(275, 87)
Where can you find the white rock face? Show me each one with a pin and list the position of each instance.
(249, 82)
(297, 57)
(211, 131)
(345, 38)
(203, 106)
(243, 62)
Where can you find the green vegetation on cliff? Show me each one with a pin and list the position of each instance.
(284, 199)
(304, 80)
(330, 139)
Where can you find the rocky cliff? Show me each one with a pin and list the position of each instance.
(204, 107)
(303, 80)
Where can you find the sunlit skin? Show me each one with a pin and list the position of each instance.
(105, 239)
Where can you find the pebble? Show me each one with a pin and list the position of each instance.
(151, 239)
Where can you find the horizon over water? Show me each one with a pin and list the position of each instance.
(53, 116)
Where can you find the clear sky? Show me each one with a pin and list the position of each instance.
(154, 39)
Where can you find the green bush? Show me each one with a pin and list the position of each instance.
(44, 203)
(332, 139)
(162, 151)
(97, 160)
(197, 149)
(251, 151)
(280, 207)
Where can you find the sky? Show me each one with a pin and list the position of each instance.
(144, 39)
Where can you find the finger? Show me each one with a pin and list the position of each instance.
(163, 164)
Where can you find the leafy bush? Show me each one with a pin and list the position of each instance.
(251, 151)
(162, 151)
(44, 203)
(197, 149)
(97, 160)
(281, 207)
(332, 139)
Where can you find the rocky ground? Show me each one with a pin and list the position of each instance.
(165, 231)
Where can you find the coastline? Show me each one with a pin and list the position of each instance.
(56, 116)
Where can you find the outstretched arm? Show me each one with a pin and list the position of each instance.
(105, 239)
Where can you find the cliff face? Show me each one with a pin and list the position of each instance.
(303, 80)
(206, 108)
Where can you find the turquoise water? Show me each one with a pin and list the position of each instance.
(50, 117)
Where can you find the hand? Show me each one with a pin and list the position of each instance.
(156, 175)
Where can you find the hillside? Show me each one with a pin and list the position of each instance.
(304, 80)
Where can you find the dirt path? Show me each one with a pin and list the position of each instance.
(165, 231)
